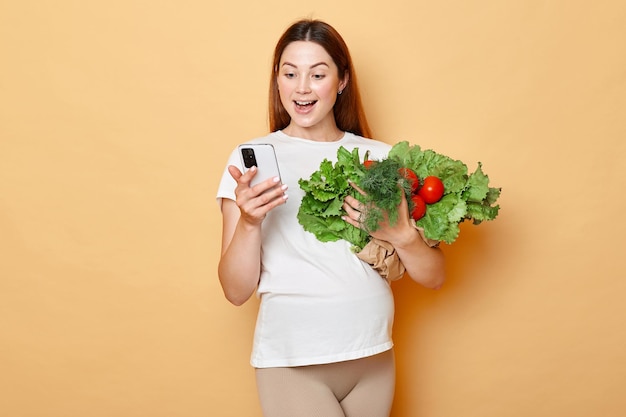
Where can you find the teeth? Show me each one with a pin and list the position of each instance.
(304, 103)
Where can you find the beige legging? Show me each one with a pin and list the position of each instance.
(358, 388)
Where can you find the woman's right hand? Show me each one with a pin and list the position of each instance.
(255, 202)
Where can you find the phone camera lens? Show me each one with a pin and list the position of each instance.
(249, 158)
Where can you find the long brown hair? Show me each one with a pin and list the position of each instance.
(348, 110)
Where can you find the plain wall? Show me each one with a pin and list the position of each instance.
(116, 118)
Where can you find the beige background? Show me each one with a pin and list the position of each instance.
(115, 121)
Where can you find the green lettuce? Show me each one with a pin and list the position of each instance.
(467, 196)
(321, 207)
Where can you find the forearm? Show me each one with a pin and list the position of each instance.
(239, 268)
(424, 264)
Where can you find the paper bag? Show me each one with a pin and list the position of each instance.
(382, 256)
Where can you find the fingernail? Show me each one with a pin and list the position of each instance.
(276, 179)
(283, 187)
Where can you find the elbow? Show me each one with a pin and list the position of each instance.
(433, 281)
(236, 297)
(236, 291)
(236, 300)
(436, 286)
(435, 276)
(437, 282)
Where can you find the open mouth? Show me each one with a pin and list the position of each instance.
(304, 104)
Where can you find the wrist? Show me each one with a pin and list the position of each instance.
(429, 242)
(407, 240)
(416, 236)
(249, 227)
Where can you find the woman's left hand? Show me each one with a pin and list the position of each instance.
(425, 265)
(401, 231)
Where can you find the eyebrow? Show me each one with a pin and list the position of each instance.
(312, 66)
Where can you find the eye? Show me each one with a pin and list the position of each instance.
(289, 75)
(319, 76)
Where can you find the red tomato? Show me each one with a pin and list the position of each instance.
(368, 163)
(432, 190)
(411, 177)
(420, 207)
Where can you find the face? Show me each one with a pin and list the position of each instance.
(308, 83)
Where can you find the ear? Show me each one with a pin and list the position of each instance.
(344, 82)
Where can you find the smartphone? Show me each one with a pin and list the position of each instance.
(262, 156)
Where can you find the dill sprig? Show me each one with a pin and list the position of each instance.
(383, 184)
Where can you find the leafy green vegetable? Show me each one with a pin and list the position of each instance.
(466, 196)
(321, 207)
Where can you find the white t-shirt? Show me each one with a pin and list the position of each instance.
(319, 302)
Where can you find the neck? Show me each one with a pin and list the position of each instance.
(318, 134)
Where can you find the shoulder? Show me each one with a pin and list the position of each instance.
(351, 137)
(376, 147)
(270, 138)
(262, 139)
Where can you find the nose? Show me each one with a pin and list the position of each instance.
(303, 85)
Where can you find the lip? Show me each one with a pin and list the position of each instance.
(304, 106)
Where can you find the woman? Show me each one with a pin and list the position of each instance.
(322, 344)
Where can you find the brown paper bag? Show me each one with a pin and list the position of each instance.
(382, 256)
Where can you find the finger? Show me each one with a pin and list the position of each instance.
(352, 213)
(234, 172)
(404, 205)
(353, 203)
(351, 221)
(356, 187)
(276, 197)
(257, 207)
(267, 192)
(270, 184)
(248, 175)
